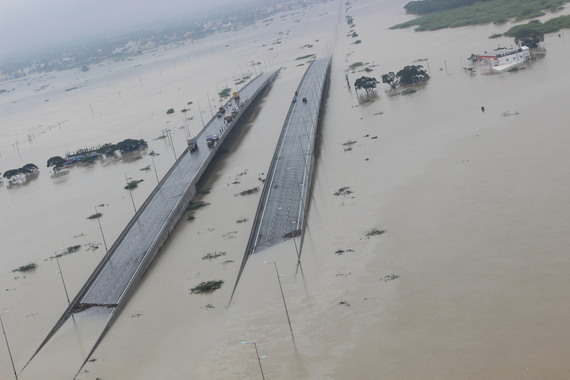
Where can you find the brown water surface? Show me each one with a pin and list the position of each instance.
(475, 207)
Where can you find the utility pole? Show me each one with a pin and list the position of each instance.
(8, 345)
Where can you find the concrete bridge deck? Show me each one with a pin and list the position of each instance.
(284, 202)
(116, 277)
(282, 209)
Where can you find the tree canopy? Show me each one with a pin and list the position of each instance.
(55, 161)
(130, 145)
(366, 83)
(412, 74)
(408, 75)
(20, 173)
(529, 38)
(390, 79)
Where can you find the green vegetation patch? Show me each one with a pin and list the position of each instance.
(374, 232)
(95, 216)
(253, 190)
(133, 184)
(213, 255)
(551, 26)
(356, 65)
(26, 268)
(68, 251)
(225, 93)
(206, 287)
(453, 14)
(345, 190)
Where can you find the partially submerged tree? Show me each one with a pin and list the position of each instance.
(408, 75)
(529, 38)
(412, 74)
(20, 174)
(390, 79)
(366, 83)
(130, 145)
(56, 162)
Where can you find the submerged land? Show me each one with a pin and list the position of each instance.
(436, 245)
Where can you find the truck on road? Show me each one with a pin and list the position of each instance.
(192, 144)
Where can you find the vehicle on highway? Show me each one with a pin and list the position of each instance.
(211, 140)
(192, 144)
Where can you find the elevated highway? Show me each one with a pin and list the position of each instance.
(119, 272)
(282, 209)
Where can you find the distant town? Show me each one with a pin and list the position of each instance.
(120, 46)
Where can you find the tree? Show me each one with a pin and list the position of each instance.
(412, 74)
(366, 83)
(130, 145)
(529, 38)
(20, 174)
(55, 161)
(107, 149)
(12, 174)
(170, 110)
(29, 169)
(390, 79)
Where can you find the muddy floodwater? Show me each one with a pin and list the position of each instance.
(469, 279)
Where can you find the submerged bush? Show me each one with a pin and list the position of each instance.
(207, 287)
(26, 268)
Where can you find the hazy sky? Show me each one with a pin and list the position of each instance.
(32, 23)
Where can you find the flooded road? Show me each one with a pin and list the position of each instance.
(468, 281)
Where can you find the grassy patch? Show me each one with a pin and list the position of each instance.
(133, 184)
(248, 191)
(374, 232)
(485, 12)
(213, 255)
(68, 251)
(26, 268)
(356, 65)
(224, 93)
(95, 216)
(551, 26)
(343, 191)
(343, 251)
(390, 277)
(206, 287)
